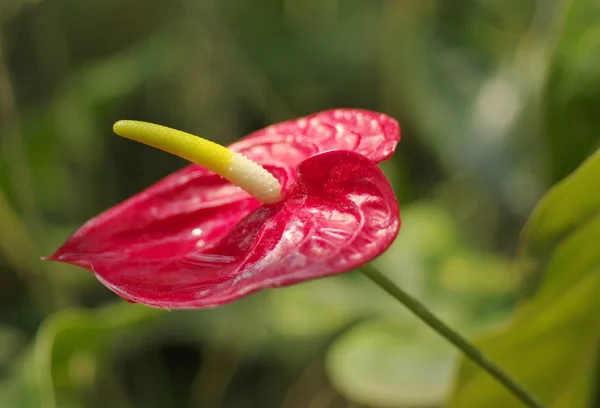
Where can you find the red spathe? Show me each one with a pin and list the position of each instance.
(194, 240)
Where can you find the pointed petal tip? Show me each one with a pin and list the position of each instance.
(56, 256)
(68, 258)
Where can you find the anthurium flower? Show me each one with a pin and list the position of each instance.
(312, 203)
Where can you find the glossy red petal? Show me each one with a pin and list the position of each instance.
(286, 144)
(194, 203)
(174, 216)
(339, 213)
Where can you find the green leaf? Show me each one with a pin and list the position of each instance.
(69, 351)
(314, 309)
(559, 327)
(383, 363)
(548, 353)
(566, 207)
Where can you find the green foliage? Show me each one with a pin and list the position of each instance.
(551, 343)
(548, 344)
(567, 209)
(70, 352)
(559, 245)
(384, 363)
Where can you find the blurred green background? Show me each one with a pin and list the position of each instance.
(498, 101)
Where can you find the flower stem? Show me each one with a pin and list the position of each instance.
(453, 337)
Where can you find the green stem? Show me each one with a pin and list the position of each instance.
(453, 337)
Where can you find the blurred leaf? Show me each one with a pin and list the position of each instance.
(559, 327)
(70, 349)
(71, 331)
(549, 353)
(381, 363)
(571, 98)
(566, 207)
(314, 309)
